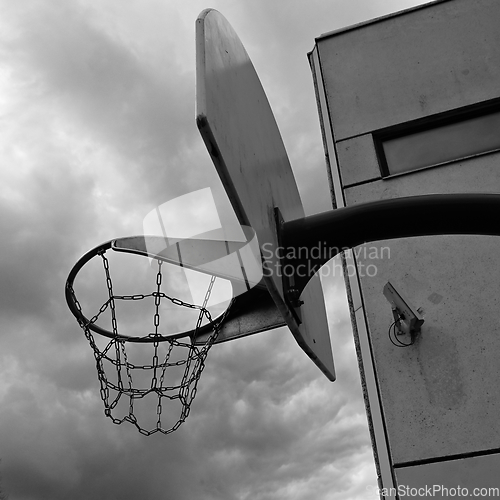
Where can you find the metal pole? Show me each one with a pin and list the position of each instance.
(312, 241)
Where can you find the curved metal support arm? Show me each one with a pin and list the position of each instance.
(312, 241)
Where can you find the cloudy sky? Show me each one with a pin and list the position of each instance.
(97, 128)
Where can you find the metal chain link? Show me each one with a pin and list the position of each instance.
(115, 352)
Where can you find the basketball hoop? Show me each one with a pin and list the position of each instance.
(118, 375)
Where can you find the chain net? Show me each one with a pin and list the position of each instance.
(113, 355)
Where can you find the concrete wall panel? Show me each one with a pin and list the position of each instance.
(440, 397)
(410, 66)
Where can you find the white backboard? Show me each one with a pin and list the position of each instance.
(243, 139)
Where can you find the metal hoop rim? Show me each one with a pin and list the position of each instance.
(83, 320)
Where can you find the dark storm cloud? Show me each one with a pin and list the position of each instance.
(34, 222)
(115, 95)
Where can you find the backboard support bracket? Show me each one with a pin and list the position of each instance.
(290, 291)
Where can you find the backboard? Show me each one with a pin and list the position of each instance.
(239, 129)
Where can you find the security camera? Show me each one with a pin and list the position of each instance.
(407, 317)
